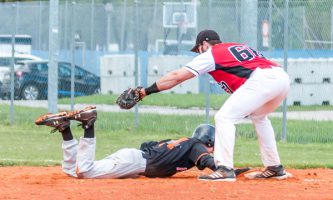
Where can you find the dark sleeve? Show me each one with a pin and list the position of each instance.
(147, 145)
(206, 161)
(163, 141)
(201, 157)
(150, 144)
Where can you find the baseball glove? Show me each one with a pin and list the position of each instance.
(129, 98)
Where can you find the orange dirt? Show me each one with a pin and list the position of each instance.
(50, 183)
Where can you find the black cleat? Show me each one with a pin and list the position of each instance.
(221, 174)
(276, 172)
(241, 170)
(58, 121)
(87, 116)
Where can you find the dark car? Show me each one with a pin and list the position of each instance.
(31, 81)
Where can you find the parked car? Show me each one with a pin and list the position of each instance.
(6, 61)
(31, 81)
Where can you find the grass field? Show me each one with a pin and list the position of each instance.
(309, 143)
(177, 100)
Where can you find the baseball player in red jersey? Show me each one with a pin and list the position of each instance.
(257, 87)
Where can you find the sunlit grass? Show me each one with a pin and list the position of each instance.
(26, 146)
(309, 143)
(178, 100)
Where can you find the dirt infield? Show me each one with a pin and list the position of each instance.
(51, 183)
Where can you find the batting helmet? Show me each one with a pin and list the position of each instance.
(205, 133)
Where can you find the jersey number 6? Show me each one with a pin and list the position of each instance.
(244, 53)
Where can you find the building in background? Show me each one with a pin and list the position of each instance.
(23, 44)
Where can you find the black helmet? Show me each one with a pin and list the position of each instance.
(205, 133)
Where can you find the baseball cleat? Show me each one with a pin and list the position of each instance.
(241, 170)
(87, 116)
(276, 172)
(221, 174)
(58, 121)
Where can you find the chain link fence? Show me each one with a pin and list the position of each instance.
(105, 47)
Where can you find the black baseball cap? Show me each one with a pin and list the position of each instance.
(205, 35)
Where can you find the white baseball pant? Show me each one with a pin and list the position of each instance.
(260, 95)
(79, 161)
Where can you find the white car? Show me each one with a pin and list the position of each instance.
(6, 61)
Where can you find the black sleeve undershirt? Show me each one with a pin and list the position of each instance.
(201, 157)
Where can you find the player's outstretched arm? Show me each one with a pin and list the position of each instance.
(130, 97)
(208, 161)
(168, 81)
(173, 78)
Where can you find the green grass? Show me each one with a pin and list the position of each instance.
(309, 143)
(160, 99)
(292, 155)
(177, 100)
(298, 131)
(38, 147)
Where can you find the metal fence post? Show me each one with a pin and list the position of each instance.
(206, 76)
(66, 29)
(332, 28)
(11, 115)
(40, 26)
(207, 99)
(286, 31)
(53, 56)
(73, 55)
(122, 28)
(270, 22)
(136, 61)
(92, 25)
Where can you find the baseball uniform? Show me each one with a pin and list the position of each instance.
(153, 159)
(258, 86)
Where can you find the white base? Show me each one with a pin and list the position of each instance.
(252, 175)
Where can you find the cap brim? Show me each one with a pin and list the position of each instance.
(195, 49)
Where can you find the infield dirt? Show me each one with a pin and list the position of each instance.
(23, 182)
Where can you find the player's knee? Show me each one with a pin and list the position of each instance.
(221, 118)
(260, 120)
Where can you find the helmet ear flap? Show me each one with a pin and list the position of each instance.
(211, 143)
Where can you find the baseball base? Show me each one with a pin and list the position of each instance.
(251, 175)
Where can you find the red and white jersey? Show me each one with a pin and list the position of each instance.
(230, 64)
